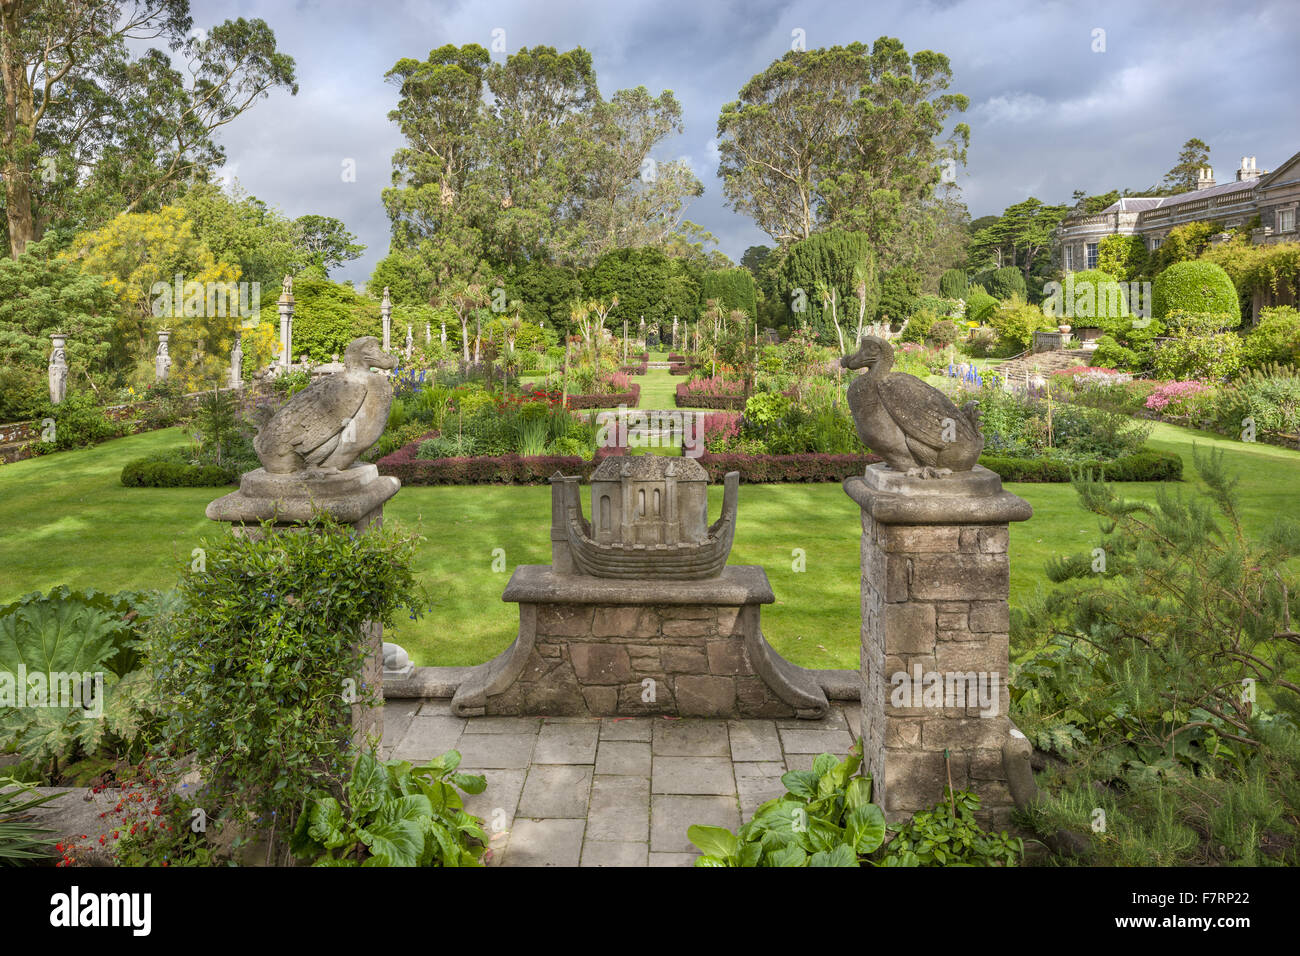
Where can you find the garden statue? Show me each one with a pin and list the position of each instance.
(236, 362)
(913, 426)
(386, 313)
(162, 360)
(331, 422)
(58, 368)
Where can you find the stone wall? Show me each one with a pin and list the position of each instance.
(611, 660)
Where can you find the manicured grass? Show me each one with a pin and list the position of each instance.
(659, 389)
(66, 519)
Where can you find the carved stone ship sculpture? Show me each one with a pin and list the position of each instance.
(649, 519)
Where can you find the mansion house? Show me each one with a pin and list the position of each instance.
(1272, 196)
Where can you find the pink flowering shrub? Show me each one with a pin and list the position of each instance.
(721, 429)
(717, 387)
(1178, 398)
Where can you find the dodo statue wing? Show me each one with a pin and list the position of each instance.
(319, 412)
(923, 411)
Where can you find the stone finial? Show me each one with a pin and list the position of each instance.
(58, 368)
(913, 426)
(286, 289)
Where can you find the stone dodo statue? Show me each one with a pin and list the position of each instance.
(331, 422)
(913, 426)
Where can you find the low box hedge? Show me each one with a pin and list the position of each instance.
(164, 473)
(485, 469)
(641, 369)
(772, 469)
(1142, 466)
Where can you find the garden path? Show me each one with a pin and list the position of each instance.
(591, 791)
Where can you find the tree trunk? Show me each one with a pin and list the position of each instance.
(19, 118)
(18, 207)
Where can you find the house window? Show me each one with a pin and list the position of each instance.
(1155, 242)
(1285, 220)
(1092, 255)
(1069, 258)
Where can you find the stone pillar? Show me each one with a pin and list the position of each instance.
(58, 368)
(285, 306)
(237, 362)
(934, 656)
(162, 360)
(444, 333)
(428, 334)
(410, 342)
(386, 312)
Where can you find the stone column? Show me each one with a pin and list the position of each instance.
(410, 342)
(237, 362)
(386, 312)
(934, 656)
(162, 360)
(428, 334)
(285, 306)
(58, 368)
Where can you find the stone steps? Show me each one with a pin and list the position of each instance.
(1014, 371)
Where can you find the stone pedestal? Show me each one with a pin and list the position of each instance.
(934, 660)
(354, 496)
(591, 646)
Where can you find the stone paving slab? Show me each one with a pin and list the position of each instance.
(617, 792)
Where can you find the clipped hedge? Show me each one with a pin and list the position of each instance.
(629, 398)
(485, 469)
(1195, 286)
(636, 369)
(1142, 466)
(771, 469)
(158, 473)
(730, 402)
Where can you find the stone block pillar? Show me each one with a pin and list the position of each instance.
(163, 359)
(934, 656)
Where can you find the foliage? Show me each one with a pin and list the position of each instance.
(1183, 243)
(952, 284)
(826, 818)
(942, 333)
(75, 640)
(327, 316)
(1269, 395)
(1200, 347)
(732, 288)
(1275, 339)
(1006, 283)
(1138, 466)
(78, 421)
(20, 838)
(1165, 674)
(267, 650)
(937, 837)
(1124, 257)
(166, 471)
(899, 290)
(980, 306)
(827, 260)
(23, 393)
(798, 153)
(41, 293)
(1195, 287)
(1016, 321)
(393, 814)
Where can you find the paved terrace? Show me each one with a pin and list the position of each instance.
(592, 791)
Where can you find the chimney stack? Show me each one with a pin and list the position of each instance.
(1204, 177)
(1248, 170)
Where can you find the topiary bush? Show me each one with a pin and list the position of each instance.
(980, 305)
(168, 472)
(1195, 286)
(1007, 282)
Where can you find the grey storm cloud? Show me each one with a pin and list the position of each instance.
(1050, 112)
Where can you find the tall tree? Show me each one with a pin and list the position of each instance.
(1021, 236)
(84, 123)
(843, 137)
(1194, 155)
(324, 242)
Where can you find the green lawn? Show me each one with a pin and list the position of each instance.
(65, 519)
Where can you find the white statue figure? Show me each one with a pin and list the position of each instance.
(236, 362)
(162, 360)
(58, 370)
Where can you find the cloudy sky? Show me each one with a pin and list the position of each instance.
(1063, 95)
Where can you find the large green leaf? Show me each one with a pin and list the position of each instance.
(396, 834)
(788, 856)
(368, 786)
(839, 856)
(327, 825)
(714, 841)
(865, 827)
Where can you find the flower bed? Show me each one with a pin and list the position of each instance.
(636, 369)
(710, 393)
(612, 400)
